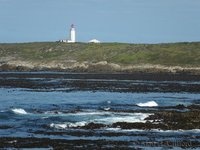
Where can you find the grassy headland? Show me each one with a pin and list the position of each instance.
(82, 55)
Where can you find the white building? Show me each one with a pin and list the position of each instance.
(94, 41)
(72, 36)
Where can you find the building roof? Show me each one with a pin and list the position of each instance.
(94, 41)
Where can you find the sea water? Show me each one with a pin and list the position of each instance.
(26, 111)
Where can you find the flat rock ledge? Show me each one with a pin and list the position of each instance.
(99, 67)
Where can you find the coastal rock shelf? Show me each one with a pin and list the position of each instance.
(60, 110)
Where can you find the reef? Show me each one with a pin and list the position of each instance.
(114, 83)
(179, 117)
(61, 144)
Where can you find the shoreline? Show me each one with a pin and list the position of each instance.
(107, 76)
(100, 67)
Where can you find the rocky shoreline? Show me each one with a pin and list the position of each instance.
(61, 144)
(171, 118)
(99, 67)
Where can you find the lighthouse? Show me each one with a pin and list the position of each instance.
(72, 34)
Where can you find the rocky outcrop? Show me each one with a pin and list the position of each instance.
(101, 66)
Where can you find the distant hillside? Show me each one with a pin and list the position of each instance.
(103, 57)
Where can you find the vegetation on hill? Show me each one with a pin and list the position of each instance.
(168, 54)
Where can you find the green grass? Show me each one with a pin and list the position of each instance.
(182, 54)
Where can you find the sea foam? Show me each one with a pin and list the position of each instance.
(86, 113)
(148, 104)
(19, 111)
(68, 125)
(124, 117)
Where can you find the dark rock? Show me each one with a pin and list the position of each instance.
(92, 126)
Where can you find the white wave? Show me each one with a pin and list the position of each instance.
(12, 141)
(44, 117)
(99, 113)
(134, 117)
(108, 102)
(148, 104)
(123, 130)
(106, 109)
(86, 113)
(19, 111)
(68, 125)
(179, 130)
(112, 129)
(93, 113)
(193, 131)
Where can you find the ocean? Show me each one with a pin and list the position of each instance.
(44, 107)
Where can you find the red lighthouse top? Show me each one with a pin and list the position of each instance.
(72, 25)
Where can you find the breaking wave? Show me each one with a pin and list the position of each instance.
(68, 125)
(86, 113)
(124, 117)
(112, 118)
(19, 111)
(148, 104)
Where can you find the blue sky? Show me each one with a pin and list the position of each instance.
(124, 21)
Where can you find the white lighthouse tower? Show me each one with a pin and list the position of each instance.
(72, 34)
